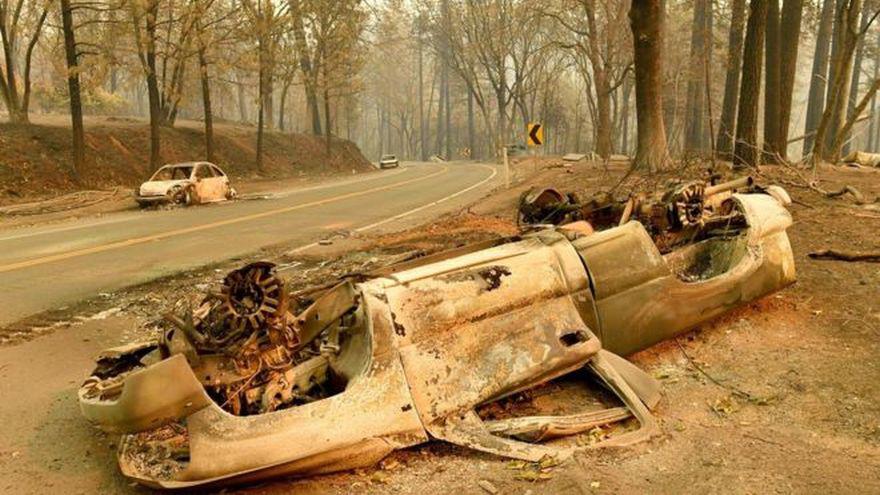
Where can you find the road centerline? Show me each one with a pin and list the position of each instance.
(197, 228)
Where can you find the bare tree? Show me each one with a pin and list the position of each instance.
(144, 15)
(828, 143)
(307, 65)
(21, 19)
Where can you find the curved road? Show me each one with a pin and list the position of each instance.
(47, 267)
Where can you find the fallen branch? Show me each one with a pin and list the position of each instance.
(833, 254)
(857, 195)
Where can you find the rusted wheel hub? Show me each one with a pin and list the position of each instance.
(252, 296)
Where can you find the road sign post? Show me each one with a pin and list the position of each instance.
(506, 167)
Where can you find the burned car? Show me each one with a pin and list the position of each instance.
(388, 161)
(185, 184)
(258, 381)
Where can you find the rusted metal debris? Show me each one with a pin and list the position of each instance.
(674, 216)
(863, 159)
(258, 382)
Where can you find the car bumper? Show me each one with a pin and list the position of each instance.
(151, 200)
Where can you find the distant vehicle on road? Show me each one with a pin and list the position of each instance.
(185, 184)
(389, 161)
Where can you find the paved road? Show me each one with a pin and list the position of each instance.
(47, 267)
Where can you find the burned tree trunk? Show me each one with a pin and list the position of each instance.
(151, 14)
(327, 133)
(17, 104)
(727, 124)
(448, 119)
(772, 139)
(872, 127)
(206, 105)
(818, 80)
(856, 71)
(423, 146)
(845, 40)
(73, 89)
(826, 144)
(746, 152)
(695, 133)
(857, 111)
(261, 110)
(790, 28)
(305, 64)
(472, 131)
(647, 23)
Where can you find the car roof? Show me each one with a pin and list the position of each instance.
(184, 164)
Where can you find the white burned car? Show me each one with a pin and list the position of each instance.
(186, 184)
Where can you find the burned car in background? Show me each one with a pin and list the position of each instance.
(185, 184)
(388, 161)
(258, 381)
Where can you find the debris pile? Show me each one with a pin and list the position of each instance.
(683, 212)
(254, 354)
(244, 344)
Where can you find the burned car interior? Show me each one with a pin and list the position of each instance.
(256, 380)
(173, 172)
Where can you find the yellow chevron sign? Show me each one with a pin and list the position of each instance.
(535, 134)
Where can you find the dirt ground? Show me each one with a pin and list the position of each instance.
(781, 396)
(35, 158)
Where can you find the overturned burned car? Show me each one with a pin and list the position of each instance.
(259, 382)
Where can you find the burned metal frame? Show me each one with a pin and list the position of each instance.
(415, 349)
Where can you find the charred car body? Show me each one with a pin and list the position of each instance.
(185, 184)
(259, 382)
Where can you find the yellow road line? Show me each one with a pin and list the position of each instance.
(197, 228)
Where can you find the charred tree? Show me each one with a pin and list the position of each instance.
(857, 71)
(818, 79)
(727, 123)
(872, 127)
(601, 80)
(148, 12)
(844, 41)
(448, 118)
(827, 144)
(772, 139)
(206, 104)
(17, 105)
(261, 108)
(790, 28)
(647, 23)
(73, 89)
(423, 144)
(441, 108)
(746, 151)
(306, 65)
(472, 132)
(701, 35)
